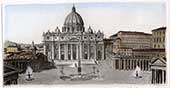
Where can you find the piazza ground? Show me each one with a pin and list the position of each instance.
(108, 75)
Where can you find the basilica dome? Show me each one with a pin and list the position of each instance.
(73, 22)
(73, 18)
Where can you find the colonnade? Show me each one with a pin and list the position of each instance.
(158, 76)
(20, 64)
(130, 64)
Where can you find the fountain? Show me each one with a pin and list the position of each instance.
(28, 73)
(137, 72)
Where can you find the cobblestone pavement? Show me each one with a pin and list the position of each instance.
(108, 75)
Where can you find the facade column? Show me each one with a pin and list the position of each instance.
(81, 51)
(95, 51)
(66, 52)
(77, 50)
(71, 45)
(88, 51)
(44, 46)
(59, 52)
(52, 51)
(103, 51)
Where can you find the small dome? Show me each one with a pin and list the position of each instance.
(99, 33)
(90, 30)
(57, 30)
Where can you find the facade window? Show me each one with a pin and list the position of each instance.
(85, 37)
(62, 37)
(155, 46)
(48, 37)
(158, 46)
(163, 39)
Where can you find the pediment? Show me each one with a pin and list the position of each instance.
(159, 61)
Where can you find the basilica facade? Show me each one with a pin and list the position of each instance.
(73, 42)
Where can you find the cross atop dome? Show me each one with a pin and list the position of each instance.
(73, 8)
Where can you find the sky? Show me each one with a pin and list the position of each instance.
(27, 22)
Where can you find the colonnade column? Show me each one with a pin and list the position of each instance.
(143, 64)
(163, 76)
(149, 65)
(120, 64)
(131, 64)
(153, 73)
(124, 64)
(59, 52)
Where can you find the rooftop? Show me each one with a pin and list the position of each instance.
(150, 49)
(161, 28)
(131, 33)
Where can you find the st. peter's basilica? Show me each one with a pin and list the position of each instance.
(73, 42)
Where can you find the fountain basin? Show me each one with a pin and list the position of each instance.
(79, 77)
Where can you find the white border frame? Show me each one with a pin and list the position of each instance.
(17, 2)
